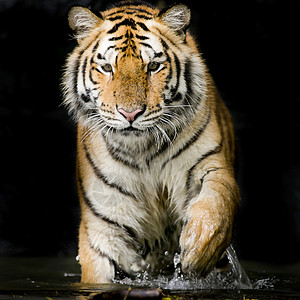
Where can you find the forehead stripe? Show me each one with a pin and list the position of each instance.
(140, 37)
(144, 17)
(127, 22)
(115, 18)
(116, 38)
(143, 26)
(132, 9)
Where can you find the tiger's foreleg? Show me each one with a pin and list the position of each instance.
(106, 251)
(209, 219)
(95, 266)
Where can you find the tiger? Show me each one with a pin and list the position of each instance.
(155, 144)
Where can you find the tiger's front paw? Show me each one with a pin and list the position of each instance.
(203, 240)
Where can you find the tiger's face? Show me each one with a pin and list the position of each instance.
(133, 70)
(132, 76)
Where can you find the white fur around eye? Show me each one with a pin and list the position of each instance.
(154, 67)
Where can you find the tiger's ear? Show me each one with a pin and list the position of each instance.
(178, 17)
(82, 20)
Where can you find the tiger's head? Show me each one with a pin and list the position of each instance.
(135, 70)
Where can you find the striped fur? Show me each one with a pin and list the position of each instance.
(155, 143)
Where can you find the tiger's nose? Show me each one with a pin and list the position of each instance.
(131, 116)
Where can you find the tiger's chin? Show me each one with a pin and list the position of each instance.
(112, 132)
(130, 130)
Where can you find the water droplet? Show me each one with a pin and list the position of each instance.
(176, 260)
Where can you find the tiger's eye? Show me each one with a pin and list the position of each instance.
(107, 67)
(153, 66)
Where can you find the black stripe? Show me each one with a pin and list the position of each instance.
(163, 42)
(119, 273)
(176, 98)
(114, 29)
(189, 79)
(103, 178)
(191, 141)
(116, 38)
(76, 72)
(96, 69)
(132, 9)
(213, 151)
(178, 69)
(95, 47)
(99, 56)
(114, 13)
(90, 75)
(118, 154)
(188, 76)
(128, 35)
(89, 204)
(140, 10)
(158, 54)
(130, 12)
(83, 76)
(128, 231)
(108, 48)
(166, 38)
(141, 37)
(178, 73)
(170, 75)
(127, 22)
(77, 67)
(146, 45)
(164, 146)
(143, 26)
(99, 252)
(115, 18)
(144, 17)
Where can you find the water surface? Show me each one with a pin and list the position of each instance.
(58, 278)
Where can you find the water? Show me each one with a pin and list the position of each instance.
(59, 278)
(234, 277)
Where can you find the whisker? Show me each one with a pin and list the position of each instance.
(178, 106)
(169, 122)
(164, 134)
(106, 134)
(188, 97)
(174, 117)
(92, 130)
(156, 135)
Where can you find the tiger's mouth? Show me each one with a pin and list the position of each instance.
(130, 130)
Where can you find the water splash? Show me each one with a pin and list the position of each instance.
(242, 281)
(234, 277)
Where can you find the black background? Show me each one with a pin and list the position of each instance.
(252, 51)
